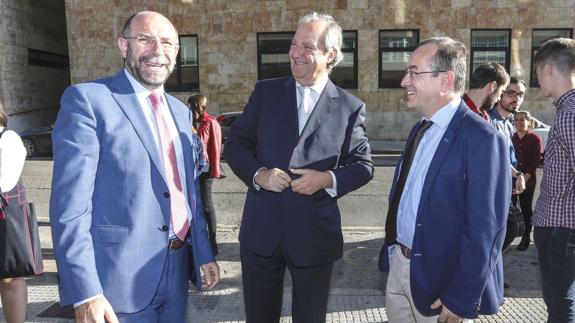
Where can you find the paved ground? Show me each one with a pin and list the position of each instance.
(357, 293)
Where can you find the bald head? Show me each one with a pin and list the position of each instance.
(149, 45)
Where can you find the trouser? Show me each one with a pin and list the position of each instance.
(525, 201)
(209, 211)
(171, 299)
(556, 251)
(263, 280)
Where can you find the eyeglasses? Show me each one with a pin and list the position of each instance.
(413, 74)
(513, 94)
(147, 41)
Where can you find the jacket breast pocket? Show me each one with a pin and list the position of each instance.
(108, 233)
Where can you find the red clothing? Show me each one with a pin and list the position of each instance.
(528, 154)
(475, 109)
(210, 133)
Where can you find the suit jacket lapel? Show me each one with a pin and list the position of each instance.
(441, 153)
(327, 101)
(127, 100)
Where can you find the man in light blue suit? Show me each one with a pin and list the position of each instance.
(448, 211)
(127, 221)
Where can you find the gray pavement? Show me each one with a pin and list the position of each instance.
(357, 293)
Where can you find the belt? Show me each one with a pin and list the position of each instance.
(405, 251)
(175, 244)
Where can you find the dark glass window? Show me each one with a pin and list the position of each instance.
(273, 58)
(345, 73)
(186, 75)
(47, 59)
(539, 37)
(395, 46)
(490, 46)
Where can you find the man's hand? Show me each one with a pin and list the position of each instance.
(446, 316)
(310, 181)
(519, 185)
(275, 179)
(211, 275)
(97, 310)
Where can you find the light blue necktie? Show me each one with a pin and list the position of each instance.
(303, 111)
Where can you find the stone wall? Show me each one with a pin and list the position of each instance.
(31, 93)
(227, 30)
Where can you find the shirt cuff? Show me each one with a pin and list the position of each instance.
(256, 186)
(333, 190)
(87, 300)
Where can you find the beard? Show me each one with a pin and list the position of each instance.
(490, 101)
(150, 79)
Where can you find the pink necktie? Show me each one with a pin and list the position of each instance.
(178, 214)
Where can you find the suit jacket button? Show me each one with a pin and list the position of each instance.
(166, 194)
(165, 228)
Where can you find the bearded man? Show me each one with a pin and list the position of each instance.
(125, 207)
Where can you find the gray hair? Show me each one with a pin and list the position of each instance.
(451, 55)
(332, 34)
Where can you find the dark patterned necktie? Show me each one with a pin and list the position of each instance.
(410, 150)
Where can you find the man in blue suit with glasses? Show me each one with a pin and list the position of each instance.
(127, 221)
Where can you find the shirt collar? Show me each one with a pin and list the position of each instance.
(443, 117)
(564, 97)
(139, 88)
(318, 86)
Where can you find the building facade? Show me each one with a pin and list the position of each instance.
(34, 68)
(227, 45)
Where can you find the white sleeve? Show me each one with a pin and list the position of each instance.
(12, 157)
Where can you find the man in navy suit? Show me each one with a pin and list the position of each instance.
(443, 239)
(125, 209)
(299, 146)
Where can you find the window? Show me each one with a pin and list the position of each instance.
(186, 75)
(46, 59)
(395, 46)
(490, 46)
(274, 61)
(273, 57)
(539, 37)
(345, 73)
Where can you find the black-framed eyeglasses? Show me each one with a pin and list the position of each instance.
(146, 41)
(413, 74)
(513, 94)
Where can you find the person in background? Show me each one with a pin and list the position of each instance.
(528, 152)
(485, 87)
(209, 131)
(554, 215)
(13, 291)
(510, 102)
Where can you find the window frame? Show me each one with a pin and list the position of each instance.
(533, 82)
(507, 49)
(382, 50)
(179, 87)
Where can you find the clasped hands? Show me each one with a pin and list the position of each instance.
(311, 181)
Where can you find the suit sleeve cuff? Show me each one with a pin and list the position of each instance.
(87, 300)
(333, 190)
(256, 186)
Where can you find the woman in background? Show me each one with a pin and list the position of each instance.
(12, 155)
(527, 146)
(209, 131)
